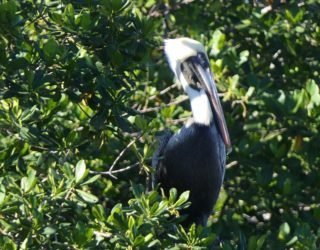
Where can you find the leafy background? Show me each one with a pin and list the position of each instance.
(85, 90)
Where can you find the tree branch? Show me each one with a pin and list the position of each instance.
(111, 173)
(122, 153)
(102, 234)
(155, 109)
(162, 92)
(231, 164)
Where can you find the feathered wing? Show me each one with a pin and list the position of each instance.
(191, 160)
(157, 159)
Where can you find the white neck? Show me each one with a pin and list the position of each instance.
(200, 106)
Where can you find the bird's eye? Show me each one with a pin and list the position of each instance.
(189, 71)
(203, 60)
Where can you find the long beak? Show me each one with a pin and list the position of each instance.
(211, 89)
(193, 66)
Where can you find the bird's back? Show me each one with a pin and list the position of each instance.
(193, 160)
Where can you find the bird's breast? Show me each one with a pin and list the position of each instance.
(196, 153)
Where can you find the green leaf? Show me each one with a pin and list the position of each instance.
(140, 122)
(50, 48)
(172, 195)
(261, 241)
(284, 231)
(90, 198)
(27, 183)
(313, 90)
(300, 97)
(292, 241)
(69, 14)
(28, 113)
(81, 172)
(154, 243)
(287, 186)
(252, 243)
(137, 190)
(244, 56)
(218, 42)
(82, 233)
(289, 16)
(49, 231)
(85, 20)
(312, 87)
(9, 245)
(291, 47)
(91, 180)
(2, 197)
(131, 222)
(98, 212)
(148, 237)
(139, 241)
(161, 208)
(182, 198)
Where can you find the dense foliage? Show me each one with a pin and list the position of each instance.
(85, 91)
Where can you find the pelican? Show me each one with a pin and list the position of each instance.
(194, 158)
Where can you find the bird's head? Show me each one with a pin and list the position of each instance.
(190, 64)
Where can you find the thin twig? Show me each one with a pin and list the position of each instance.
(111, 173)
(155, 109)
(121, 170)
(266, 9)
(177, 121)
(35, 147)
(102, 234)
(162, 92)
(231, 164)
(132, 134)
(126, 168)
(122, 153)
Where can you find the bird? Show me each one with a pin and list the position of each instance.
(194, 158)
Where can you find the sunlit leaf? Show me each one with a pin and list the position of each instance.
(80, 172)
(90, 198)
